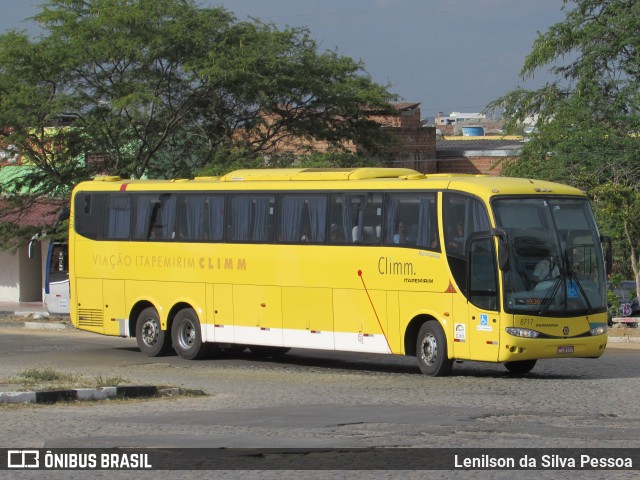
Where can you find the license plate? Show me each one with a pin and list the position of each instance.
(565, 349)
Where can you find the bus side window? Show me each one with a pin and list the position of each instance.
(118, 216)
(59, 266)
(201, 217)
(355, 218)
(302, 218)
(412, 220)
(251, 218)
(462, 216)
(89, 215)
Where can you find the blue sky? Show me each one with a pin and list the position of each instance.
(449, 55)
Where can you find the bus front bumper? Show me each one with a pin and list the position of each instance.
(517, 348)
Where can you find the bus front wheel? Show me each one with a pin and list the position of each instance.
(520, 366)
(152, 340)
(187, 335)
(431, 350)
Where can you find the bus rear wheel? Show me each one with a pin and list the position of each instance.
(520, 366)
(187, 335)
(152, 340)
(431, 350)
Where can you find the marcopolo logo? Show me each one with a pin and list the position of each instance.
(23, 459)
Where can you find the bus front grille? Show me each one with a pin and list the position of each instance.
(89, 317)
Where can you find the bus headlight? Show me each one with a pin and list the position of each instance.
(522, 332)
(599, 330)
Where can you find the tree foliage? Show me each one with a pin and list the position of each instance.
(162, 88)
(588, 118)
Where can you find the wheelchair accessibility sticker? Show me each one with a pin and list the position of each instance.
(484, 323)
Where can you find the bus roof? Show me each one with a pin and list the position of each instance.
(315, 174)
(320, 178)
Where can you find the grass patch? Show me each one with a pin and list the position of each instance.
(101, 381)
(48, 378)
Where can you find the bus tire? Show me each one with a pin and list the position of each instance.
(266, 351)
(186, 334)
(152, 340)
(431, 350)
(521, 366)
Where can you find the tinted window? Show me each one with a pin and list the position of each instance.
(302, 218)
(89, 214)
(412, 220)
(356, 218)
(201, 217)
(250, 218)
(59, 263)
(463, 215)
(155, 216)
(118, 217)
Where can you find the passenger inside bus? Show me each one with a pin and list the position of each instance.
(401, 237)
(456, 242)
(546, 269)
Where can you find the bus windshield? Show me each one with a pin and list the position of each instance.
(555, 265)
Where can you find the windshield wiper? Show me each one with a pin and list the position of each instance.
(551, 293)
(574, 277)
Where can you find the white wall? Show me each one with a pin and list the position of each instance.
(21, 277)
(9, 277)
(30, 273)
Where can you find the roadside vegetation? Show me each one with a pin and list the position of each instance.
(48, 379)
(587, 120)
(172, 89)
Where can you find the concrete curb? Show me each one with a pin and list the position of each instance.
(104, 393)
(46, 325)
(624, 339)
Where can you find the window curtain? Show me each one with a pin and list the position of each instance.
(261, 220)
(318, 218)
(391, 219)
(168, 216)
(291, 218)
(143, 217)
(479, 215)
(119, 217)
(424, 223)
(241, 218)
(195, 217)
(216, 218)
(346, 220)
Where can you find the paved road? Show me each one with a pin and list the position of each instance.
(315, 399)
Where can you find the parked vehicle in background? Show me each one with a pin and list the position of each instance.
(626, 293)
(56, 285)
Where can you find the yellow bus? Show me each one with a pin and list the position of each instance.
(445, 268)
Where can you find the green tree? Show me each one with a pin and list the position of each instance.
(162, 88)
(588, 118)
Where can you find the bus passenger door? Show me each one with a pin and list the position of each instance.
(483, 300)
